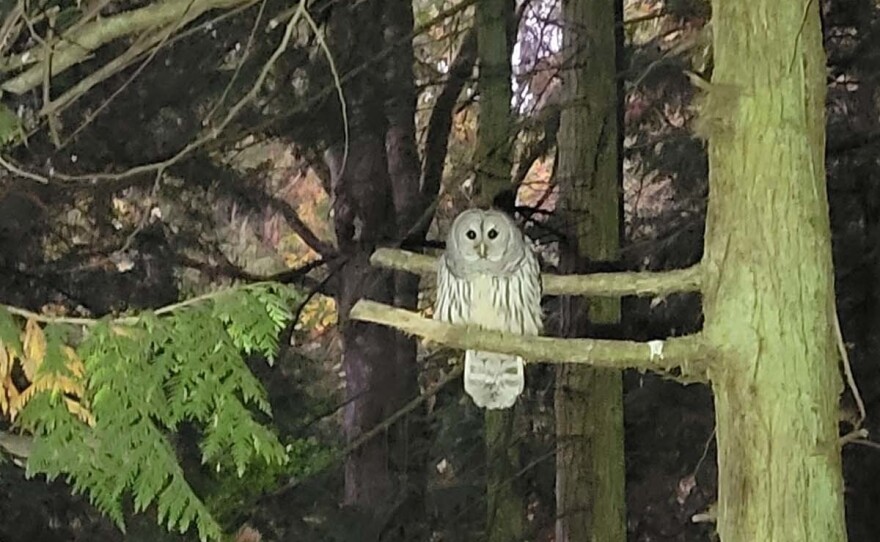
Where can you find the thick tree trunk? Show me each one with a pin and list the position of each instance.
(383, 478)
(590, 476)
(504, 519)
(768, 290)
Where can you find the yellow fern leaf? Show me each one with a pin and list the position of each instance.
(19, 400)
(4, 399)
(53, 383)
(6, 361)
(34, 342)
(74, 364)
(79, 411)
(11, 391)
(59, 383)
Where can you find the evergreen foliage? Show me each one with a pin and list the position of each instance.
(107, 429)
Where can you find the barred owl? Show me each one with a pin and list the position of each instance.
(489, 277)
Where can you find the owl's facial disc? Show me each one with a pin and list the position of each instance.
(496, 233)
(485, 239)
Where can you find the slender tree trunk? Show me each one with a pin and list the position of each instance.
(404, 169)
(495, 128)
(768, 289)
(504, 501)
(590, 476)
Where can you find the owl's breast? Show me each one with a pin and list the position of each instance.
(488, 309)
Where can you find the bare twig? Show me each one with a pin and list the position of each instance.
(206, 136)
(377, 430)
(78, 45)
(868, 443)
(137, 23)
(337, 82)
(244, 56)
(22, 173)
(282, 277)
(847, 369)
(156, 41)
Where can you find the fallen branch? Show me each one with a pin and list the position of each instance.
(687, 356)
(642, 283)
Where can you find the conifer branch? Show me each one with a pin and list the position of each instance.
(640, 283)
(687, 356)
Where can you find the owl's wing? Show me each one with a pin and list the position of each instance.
(453, 295)
(523, 299)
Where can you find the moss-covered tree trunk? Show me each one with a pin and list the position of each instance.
(504, 502)
(495, 127)
(590, 497)
(768, 291)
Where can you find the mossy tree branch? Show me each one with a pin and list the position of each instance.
(688, 355)
(641, 283)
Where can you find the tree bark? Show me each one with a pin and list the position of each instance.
(495, 127)
(382, 477)
(590, 474)
(768, 287)
(404, 170)
(504, 514)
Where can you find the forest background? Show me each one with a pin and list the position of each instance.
(156, 151)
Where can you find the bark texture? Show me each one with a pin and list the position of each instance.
(495, 129)
(504, 519)
(404, 172)
(375, 189)
(768, 290)
(590, 475)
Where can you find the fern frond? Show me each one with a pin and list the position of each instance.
(100, 412)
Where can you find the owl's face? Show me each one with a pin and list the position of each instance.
(485, 241)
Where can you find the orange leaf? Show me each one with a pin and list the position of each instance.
(34, 348)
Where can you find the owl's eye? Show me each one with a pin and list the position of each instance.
(471, 234)
(493, 233)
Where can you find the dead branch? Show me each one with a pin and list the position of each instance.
(78, 46)
(687, 355)
(437, 139)
(641, 283)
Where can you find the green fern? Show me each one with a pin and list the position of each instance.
(142, 381)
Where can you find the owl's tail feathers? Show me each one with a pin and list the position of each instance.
(493, 380)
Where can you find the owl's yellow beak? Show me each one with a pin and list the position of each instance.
(482, 249)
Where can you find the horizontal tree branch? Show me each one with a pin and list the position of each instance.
(640, 283)
(685, 354)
